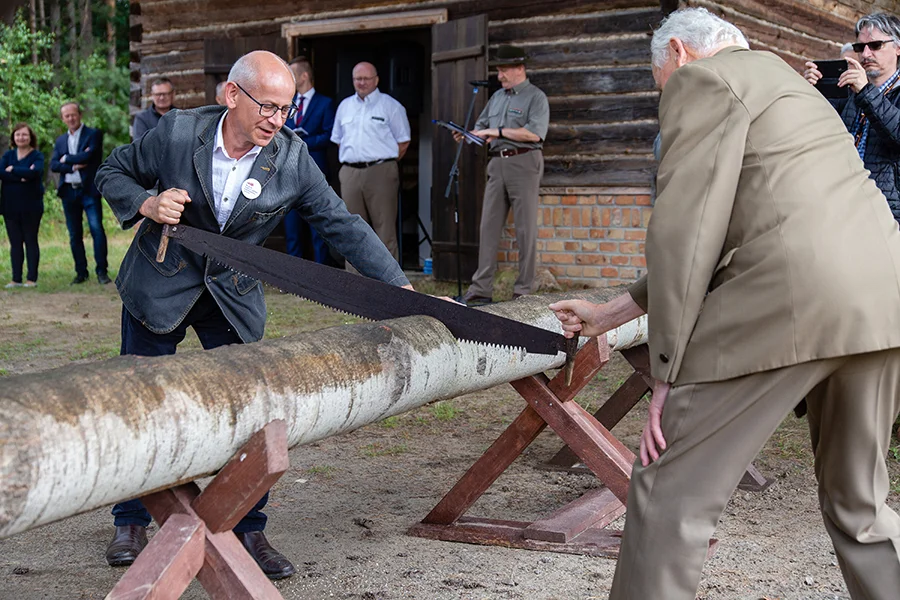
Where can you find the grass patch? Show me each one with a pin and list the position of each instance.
(57, 268)
(26, 347)
(791, 440)
(90, 351)
(326, 471)
(377, 449)
(390, 422)
(444, 411)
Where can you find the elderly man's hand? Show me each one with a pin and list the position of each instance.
(652, 440)
(580, 316)
(167, 207)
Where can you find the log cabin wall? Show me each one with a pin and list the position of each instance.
(592, 60)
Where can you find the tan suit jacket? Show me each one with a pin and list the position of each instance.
(765, 250)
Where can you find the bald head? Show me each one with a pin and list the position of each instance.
(259, 96)
(365, 79)
(261, 68)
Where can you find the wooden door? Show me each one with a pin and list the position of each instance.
(458, 55)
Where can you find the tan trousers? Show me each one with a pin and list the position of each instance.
(372, 194)
(714, 430)
(512, 182)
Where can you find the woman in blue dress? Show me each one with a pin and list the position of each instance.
(22, 202)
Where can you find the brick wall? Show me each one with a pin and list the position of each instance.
(592, 237)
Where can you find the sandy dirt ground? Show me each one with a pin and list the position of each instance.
(342, 511)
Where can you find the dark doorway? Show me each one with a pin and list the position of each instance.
(404, 70)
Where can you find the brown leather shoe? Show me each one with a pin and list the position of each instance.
(126, 544)
(272, 562)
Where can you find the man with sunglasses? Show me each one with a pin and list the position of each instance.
(871, 111)
(235, 170)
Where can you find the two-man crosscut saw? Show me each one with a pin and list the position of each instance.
(365, 297)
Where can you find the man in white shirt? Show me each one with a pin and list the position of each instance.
(372, 132)
(76, 156)
(234, 170)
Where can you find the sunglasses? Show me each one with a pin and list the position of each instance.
(875, 45)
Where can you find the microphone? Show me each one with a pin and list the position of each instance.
(480, 83)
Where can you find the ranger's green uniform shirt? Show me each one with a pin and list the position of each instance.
(524, 105)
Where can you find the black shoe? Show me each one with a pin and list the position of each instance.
(470, 299)
(272, 562)
(126, 544)
(79, 279)
(103, 278)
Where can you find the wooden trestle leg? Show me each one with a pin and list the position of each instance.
(620, 403)
(195, 537)
(578, 527)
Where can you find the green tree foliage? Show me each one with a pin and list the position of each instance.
(27, 91)
(103, 94)
(33, 93)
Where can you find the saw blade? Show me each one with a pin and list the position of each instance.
(362, 296)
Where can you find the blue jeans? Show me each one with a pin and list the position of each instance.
(75, 203)
(214, 330)
(296, 230)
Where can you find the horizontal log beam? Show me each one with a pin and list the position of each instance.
(614, 138)
(586, 170)
(589, 80)
(553, 26)
(604, 109)
(77, 438)
(591, 51)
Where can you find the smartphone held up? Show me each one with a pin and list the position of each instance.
(831, 72)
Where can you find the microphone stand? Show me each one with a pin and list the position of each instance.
(453, 184)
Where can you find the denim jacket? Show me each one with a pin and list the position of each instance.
(178, 153)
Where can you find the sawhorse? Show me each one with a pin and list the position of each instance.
(195, 537)
(620, 403)
(579, 527)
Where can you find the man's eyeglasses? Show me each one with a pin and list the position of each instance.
(269, 110)
(875, 45)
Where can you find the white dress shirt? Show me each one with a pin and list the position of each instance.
(73, 138)
(228, 175)
(369, 129)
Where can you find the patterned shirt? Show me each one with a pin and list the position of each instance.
(862, 121)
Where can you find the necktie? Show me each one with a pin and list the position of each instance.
(299, 116)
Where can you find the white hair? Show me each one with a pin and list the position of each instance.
(245, 70)
(848, 47)
(698, 29)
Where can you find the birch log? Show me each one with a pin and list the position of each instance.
(77, 438)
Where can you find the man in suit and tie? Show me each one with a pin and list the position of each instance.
(237, 171)
(313, 123)
(76, 156)
(773, 274)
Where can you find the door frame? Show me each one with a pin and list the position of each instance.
(361, 24)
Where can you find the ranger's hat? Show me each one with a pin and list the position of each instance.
(508, 55)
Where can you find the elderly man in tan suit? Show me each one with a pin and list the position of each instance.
(773, 268)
